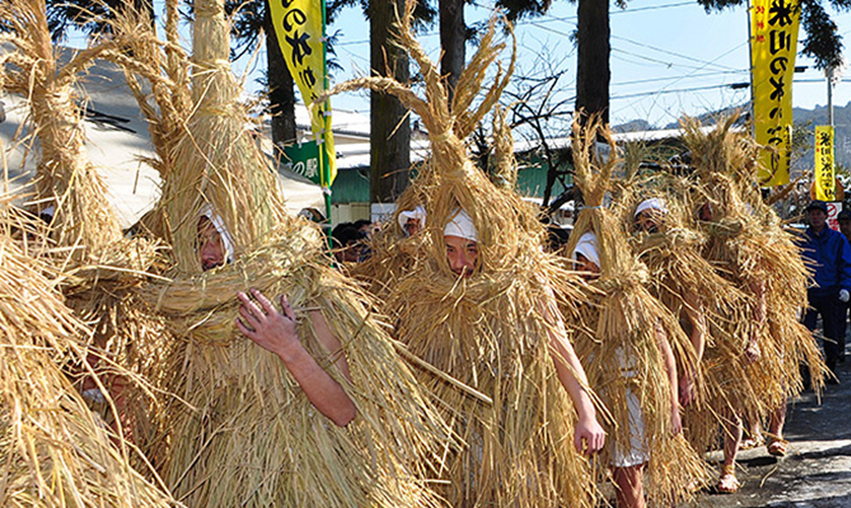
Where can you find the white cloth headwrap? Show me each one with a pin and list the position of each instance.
(417, 213)
(219, 224)
(461, 225)
(657, 204)
(587, 246)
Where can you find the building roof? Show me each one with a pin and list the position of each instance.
(117, 142)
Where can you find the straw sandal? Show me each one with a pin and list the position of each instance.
(777, 447)
(728, 484)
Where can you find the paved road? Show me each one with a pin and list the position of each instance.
(817, 471)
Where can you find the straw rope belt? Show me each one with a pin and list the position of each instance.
(635, 278)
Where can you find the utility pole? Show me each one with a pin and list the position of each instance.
(829, 73)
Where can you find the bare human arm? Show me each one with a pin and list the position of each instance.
(276, 332)
(572, 377)
(697, 318)
(671, 369)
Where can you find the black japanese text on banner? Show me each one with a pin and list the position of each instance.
(774, 38)
(825, 175)
(299, 30)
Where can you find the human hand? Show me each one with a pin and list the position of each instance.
(265, 326)
(752, 352)
(589, 431)
(686, 385)
(844, 295)
(676, 421)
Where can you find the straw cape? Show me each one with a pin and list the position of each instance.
(749, 248)
(239, 430)
(483, 341)
(617, 335)
(56, 452)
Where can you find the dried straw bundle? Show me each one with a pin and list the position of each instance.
(242, 432)
(82, 220)
(616, 335)
(56, 452)
(749, 248)
(483, 339)
(102, 266)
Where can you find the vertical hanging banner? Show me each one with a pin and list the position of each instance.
(300, 30)
(825, 176)
(774, 39)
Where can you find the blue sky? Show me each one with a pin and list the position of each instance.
(669, 57)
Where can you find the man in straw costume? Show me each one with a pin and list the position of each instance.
(475, 304)
(628, 341)
(762, 342)
(244, 428)
(56, 452)
(679, 277)
(71, 196)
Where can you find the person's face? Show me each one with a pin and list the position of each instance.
(648, 221)
(210, 243)
(412, 227)
(462, 255)
(351, 253)
(589, 270)
(845, 227)
(817, 218)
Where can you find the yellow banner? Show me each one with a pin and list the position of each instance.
(774, 38)
(299, 30)
(825, 177)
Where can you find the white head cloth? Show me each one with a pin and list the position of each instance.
(417, 213)
(587, 246)
(657, 204)
(461, 225)
(219, 224)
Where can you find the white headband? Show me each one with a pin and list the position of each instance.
(461, 225)
(657, 204)
(219, 224)
(587, 246)
(417, 213)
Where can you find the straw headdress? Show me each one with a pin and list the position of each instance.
(617, 333)
(240, 430)
(485, 338)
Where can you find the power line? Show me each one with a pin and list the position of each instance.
(546, 19)
(651, 80)
(655, 60)
(675, 90)
(667, 52)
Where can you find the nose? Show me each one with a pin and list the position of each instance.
(463, 264)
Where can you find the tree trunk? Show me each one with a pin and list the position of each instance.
(453, 41)
(390, 129)
(592, 67)
(281, 88)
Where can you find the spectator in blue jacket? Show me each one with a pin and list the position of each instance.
(829, 256)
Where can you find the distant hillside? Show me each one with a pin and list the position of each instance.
(842, 122)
